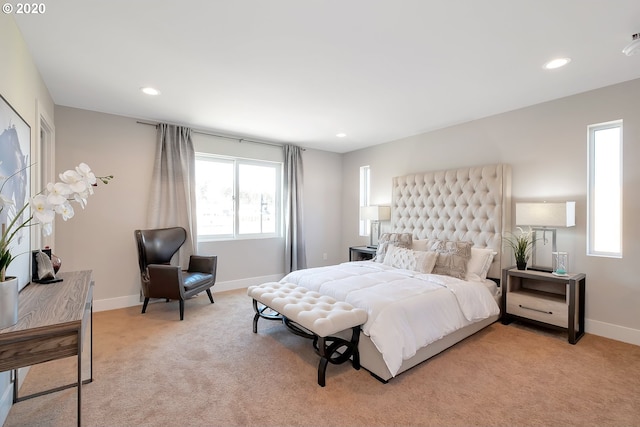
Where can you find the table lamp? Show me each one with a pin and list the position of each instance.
(546, 217)
(375, 214)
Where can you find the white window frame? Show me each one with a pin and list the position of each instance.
(591, 199)
(365, 197)
(237, 162)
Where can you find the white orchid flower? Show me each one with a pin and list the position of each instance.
(58, 193)
(75, 180)
(85, 171)
(77, 185)
(65, 210)
(81, 198)
(42, 210)
(47, 229)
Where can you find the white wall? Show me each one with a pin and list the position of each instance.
(323, 186)
(22, 86)
(100, 238)
(546, 145)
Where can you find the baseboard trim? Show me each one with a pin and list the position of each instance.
(603, 329)
(615, 332)
(230, 285)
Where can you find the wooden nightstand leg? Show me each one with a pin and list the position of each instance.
(576, 331)
(572, 312)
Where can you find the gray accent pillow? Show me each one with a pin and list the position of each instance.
(452, 258)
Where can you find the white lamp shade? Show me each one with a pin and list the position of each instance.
(375, 213)
(546, 214)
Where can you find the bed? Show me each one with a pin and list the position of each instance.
(419, 306)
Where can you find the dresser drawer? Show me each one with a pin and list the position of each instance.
(541, 308)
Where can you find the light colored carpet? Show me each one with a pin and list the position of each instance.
(211, 370)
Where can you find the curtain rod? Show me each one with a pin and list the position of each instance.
(235, 138)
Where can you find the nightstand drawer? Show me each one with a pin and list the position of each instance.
(548, 310)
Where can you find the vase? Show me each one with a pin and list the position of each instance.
(521, 265)
(56, 262)
(8, 302)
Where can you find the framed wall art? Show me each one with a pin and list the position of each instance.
(15, 151)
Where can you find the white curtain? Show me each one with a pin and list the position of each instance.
(295, 251)
(172, 201)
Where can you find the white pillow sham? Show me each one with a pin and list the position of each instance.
(420, 261)
(479, 264)
(387, 239)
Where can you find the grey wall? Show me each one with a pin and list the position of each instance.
(100, 237)
(546, 145)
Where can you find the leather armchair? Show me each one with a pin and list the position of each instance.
(159, 279)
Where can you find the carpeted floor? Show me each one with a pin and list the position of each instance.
(211, 370)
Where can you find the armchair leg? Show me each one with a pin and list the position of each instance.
(181, 309)
(210, 296)
(144, 305)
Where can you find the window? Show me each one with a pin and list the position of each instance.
(604, 198)
(365, 184)
(237, 198)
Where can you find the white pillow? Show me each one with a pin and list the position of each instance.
(479, 264)
(388, 239)
(420, 261)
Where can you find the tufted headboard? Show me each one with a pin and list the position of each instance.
(470, 204)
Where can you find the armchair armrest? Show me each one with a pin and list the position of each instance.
(165, 282)
(203, 264)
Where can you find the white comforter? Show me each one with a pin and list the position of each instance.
(406, 310)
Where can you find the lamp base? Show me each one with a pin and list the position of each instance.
(374, 235)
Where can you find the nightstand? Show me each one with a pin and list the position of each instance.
(545, 299)
(361, 253)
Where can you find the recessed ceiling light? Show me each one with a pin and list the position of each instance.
(150, 91)
(341, 135)
(556, 63)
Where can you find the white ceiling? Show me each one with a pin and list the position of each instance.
(300, 71)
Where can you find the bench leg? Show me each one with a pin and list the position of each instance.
(326, 347)
(330, 353)
(355, 340)
(324, 359)
(261, 312)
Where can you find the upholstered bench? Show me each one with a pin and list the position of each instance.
(311, 315)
